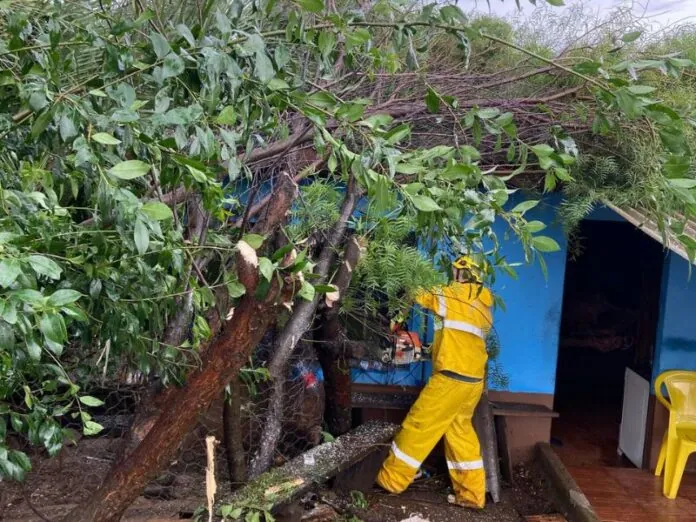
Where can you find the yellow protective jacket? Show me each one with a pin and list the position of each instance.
(464, 315)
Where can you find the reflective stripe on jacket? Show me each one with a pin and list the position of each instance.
(464, 310)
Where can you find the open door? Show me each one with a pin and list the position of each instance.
(608, 332)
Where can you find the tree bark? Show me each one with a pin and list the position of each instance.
(232, 433)
(296, 327)
(333, 353)
(220, 363)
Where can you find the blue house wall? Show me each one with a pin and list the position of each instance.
(676, 333)
(529, 326)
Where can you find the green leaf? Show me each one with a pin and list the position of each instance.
(542, 150)
(525, 206)
(631, 37)
(535, 226)
(160, 45)
(223, 23)
(105, 139)
(91, 428)
(130, 169)
(9, 271)
(227, 116)
(263, 68)
(9, 468)
(33, 348)
(53, 327)
(628, 103)
(45, 266)
(266, 268)
(187, 34)
(276, 84)
(398, 133)
(67, 128)
(322, 99)
(589, 67)
(488, 113)
(20, 459)
(556, 3)
(640, 89)
(229, 511)
(324, 289)
(235, 289)
(173, 66)
(682, 183)
(88, 400)
(63, 297)
(307, 291)
(157, 210)
(326, 43)
(29, 296)
(254, 240)
(7, 338)
(545, 244)
(313, 6)
(358, 37)
(432, 101)
(41, 123)
(141, 236)
(425, 203)
(677, 166)
(125, 116)
(452, 13)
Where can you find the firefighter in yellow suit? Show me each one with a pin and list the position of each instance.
(446, 405)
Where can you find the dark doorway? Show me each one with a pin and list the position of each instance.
(609, 323)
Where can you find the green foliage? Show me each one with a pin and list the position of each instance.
(387, 276)
(127, 144)
(316, 210)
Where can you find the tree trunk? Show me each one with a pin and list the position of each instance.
(333, 353)
(296, 327)
(220, 363)
(338, 410)
(234, 440)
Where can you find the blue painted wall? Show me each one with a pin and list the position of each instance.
(529, 326)
(676, 334)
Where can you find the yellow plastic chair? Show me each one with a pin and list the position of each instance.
(680, 438)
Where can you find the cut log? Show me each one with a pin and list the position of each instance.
(283, 485)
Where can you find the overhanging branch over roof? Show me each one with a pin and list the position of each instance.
(650, 227)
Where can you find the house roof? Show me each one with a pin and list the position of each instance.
(648, 225)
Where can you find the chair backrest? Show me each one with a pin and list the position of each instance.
(681, 390)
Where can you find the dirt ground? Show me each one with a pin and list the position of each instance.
(57, 485)
(427, 499)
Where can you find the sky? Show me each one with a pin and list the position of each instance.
(662, 12)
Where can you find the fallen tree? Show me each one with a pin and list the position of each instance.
(151, 158)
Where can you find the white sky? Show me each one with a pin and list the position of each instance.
(663, 12)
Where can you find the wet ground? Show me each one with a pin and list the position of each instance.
(58, 484)
(426, 500)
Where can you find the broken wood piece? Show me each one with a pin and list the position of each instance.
(294, 478)
(280, 487)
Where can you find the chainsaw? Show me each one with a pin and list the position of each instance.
(403, 347)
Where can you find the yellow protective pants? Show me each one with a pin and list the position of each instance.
(444, 407)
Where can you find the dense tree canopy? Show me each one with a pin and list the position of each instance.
(151, 149)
